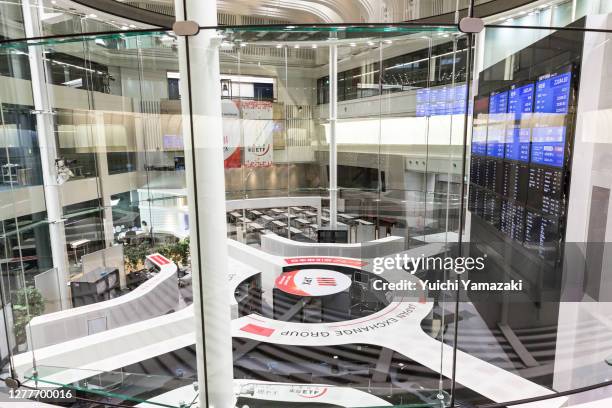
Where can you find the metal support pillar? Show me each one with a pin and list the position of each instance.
(48, 150)
(333, 145)
(200, 85)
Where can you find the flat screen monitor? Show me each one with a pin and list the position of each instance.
(517, 144)
(552, 93)
(479, 140)
(520, 99)
(498, 102)
(548, 145)
(422, 102)
(495, 141)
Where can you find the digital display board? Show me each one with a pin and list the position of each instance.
(517, 143)
(541, 234)
(520, 100)
(498, 103)
(513, 220)
(479, 140)
(548, 145)
(516, 178)
(552, 93)
(477, 170)
(496, 142)
(422, 102)
(518, 187)
(444, 100)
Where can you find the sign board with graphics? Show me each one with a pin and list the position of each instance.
(248, 124)
(313, 282)
(231, 134)
(258, 129)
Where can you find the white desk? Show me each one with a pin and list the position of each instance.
(267, 218)
(310, 214)
(277, 211)
(279, 223)
(294, 230)
(364, 222)
(255, 226)
(256, 213)
(302, 221)
(236, 214)
(297, 209)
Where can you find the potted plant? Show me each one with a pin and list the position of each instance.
(28, 303)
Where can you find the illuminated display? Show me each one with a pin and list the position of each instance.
(516, 178)
(519, 186)
(552, 93)
(479, 140)
(495, 142)
(517, 144)
(444, 100)
(422, 102)
(498, 103)
(520, 100)
(548, 145)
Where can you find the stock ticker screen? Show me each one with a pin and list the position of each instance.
(517, 170)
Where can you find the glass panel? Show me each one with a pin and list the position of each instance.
(383, 122)
(113, 191)
(536, 209)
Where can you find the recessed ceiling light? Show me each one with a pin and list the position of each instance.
(124, 27)
(243, 44)
(92, 16)
(132, 26)
(314, 45)
(370, 43)
(353, 44)
(296, 46)
(279, 46)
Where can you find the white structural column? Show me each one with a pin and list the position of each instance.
(48, 150)
(99, 133)
(200, 86)
(333, 146)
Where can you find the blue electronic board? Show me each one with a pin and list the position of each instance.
(548, 145)
(498, 103)
(495, 142)
(520, 100)
(552, 93)
(422, 102)
(517, 144)
(445, 100)
(479, 140)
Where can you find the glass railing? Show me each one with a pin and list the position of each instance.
(405, 176)
(117, 387)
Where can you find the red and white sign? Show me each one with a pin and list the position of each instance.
(303, 260)
(158, 259)
(313, 282)
(258, 130)
(248, 126)
(259, 330)
(231, 134)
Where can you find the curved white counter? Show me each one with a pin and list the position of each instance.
(155, 297)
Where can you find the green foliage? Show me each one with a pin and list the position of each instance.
(136, 254)
(28, 303)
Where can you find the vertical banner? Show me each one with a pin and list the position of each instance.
(258, 128)
(231, 134)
